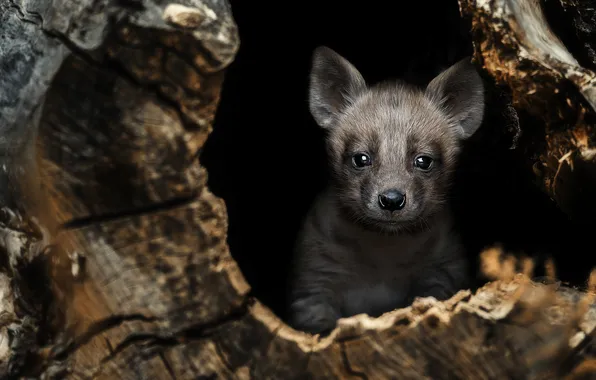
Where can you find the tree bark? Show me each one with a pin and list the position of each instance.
(553, 92)
(119, 266)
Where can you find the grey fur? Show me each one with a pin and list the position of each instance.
(334, 83)
(352, 256)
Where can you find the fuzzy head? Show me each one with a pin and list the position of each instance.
(393, 148)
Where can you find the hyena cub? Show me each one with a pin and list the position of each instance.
(381, 234)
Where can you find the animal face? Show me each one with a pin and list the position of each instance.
(392, 147)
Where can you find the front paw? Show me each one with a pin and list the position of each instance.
(313, 316)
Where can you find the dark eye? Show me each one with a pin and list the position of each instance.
(423, 162)
(361, 160)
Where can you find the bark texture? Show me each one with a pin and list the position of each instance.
(114, 260)
(552, 88)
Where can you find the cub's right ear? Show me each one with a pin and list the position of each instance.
(334, 83)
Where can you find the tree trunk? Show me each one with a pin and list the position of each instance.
(118, 266)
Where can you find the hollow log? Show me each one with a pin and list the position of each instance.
(114, 260)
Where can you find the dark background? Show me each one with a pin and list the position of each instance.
(266, 156)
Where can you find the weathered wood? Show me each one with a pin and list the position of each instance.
(139, 282)
(29, 59)
(554, 93)
(132, 194)
(23, 304)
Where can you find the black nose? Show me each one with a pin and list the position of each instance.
(392, 200)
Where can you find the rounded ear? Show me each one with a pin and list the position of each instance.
(334, 83)
(460, 92)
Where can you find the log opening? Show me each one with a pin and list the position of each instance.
(266, 157)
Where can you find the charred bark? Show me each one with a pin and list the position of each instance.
(120, 268)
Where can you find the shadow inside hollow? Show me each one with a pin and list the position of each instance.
(266, 157)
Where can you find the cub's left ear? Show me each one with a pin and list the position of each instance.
(460, 91)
